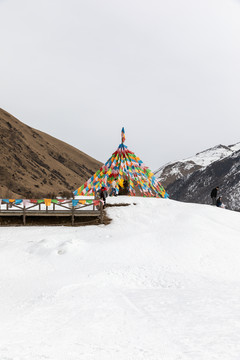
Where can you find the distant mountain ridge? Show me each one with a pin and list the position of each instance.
(192, 179)
(35, 164)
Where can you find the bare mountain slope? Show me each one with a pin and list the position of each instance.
(35, 164)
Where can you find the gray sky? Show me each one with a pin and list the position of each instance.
(168, 71)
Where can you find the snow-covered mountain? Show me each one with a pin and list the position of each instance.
(160, 282)
(193, 178)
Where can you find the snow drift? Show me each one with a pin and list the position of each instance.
(160, 282)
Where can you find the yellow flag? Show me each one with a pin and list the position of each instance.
(120, 181)
(47, 202)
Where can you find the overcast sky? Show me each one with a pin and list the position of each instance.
(168, 71)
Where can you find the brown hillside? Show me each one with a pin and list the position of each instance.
(35, 164)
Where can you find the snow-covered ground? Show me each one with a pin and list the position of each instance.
(161, 282)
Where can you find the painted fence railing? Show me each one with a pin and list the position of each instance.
(52, 207)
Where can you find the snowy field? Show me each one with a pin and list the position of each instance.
(161, 282)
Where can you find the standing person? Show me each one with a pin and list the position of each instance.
(103, 193)
(214, 195)
(114, 190)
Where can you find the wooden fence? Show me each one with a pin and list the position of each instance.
(58, 208)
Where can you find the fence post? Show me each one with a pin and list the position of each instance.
(24, 215)
(72, 214)
(101, 212)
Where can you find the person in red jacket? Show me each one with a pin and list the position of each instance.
(103, 193)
